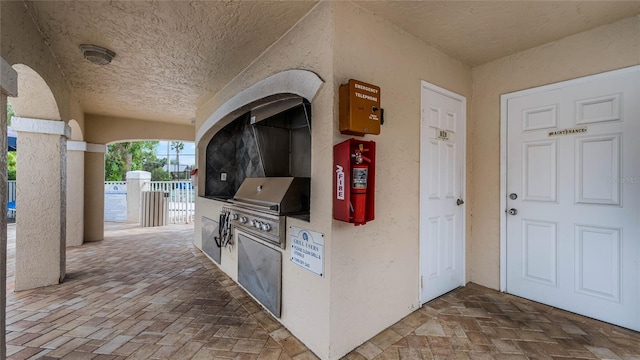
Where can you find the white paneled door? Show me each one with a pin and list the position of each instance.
(573, 196)
(442, 140)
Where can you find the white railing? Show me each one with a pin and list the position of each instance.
(182, 198)
(11, 190)
(11, 196)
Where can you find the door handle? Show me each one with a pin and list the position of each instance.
(459, 202)
(513, 211)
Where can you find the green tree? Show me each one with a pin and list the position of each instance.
(159, 174)
(177, 146)
(11, 165)
(10, 113)
(127, 156)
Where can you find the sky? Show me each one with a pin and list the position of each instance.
(187, 155)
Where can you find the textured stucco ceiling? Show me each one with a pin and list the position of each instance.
(477, 32)
(173, 54)
(169, 55)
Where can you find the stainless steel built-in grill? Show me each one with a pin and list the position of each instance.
(260, 206)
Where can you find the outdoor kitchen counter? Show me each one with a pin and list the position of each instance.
(210, 208)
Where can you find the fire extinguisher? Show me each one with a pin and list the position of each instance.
(359, 185)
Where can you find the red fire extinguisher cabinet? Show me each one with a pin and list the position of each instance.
(344, 195)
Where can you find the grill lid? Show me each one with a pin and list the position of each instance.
(282, 195)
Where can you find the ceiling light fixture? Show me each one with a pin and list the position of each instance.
(97, 54)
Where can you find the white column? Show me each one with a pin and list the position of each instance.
(41, 213)
(75, 192)
(137, 181)
(8, 87)
(94, 192)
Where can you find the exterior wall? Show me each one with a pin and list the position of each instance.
(75, 197)
(8, 86)
(375, 268)
(21, 43)
(106, 129)
(605, 48)
(308, 45)
(40, 226)
(94, 193)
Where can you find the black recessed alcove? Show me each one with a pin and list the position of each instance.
(270, 140)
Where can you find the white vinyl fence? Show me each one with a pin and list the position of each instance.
(11, 190)
(11, 198)
(182, 197)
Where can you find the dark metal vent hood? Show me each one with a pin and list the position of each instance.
(270, 109)
(283, 134)
(281, 195)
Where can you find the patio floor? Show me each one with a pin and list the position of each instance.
(149, 293)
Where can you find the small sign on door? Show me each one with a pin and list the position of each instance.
(568, 131)
(442, 135)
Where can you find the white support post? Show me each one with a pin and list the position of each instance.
(137, 181)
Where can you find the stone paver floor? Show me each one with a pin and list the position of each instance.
(150, 294)
(142, 293)
(478, 323)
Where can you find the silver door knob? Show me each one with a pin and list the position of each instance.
(459, 202)
(513, 211)
(513, 196)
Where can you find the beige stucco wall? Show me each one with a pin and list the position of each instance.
(93, 196)
(363, 264)
(40, 226)
(308, 45)
(605, 48)
(75, 198)
(21, 43)
(375, 267)
(101, 129)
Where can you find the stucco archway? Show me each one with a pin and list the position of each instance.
(41, 210)
(35, 99)
(76, 131)
(304, 83)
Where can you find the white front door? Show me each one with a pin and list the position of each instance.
(573, 196)
(442, 146)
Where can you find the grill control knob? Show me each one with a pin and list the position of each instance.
(266, 227)
(252, 223)
(258, 224)
(243, 219)
(234, 216)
